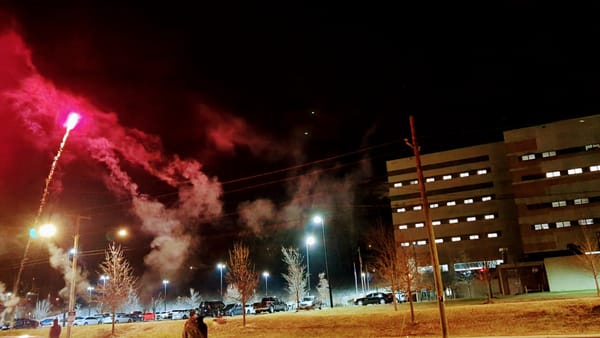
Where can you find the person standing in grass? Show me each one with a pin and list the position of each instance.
(190, 328)
(202, 326)
(55, 329)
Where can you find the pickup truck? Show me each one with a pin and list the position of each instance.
(270, 304)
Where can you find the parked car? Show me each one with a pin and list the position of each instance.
(250, 309)
(180, 314)
(213, 308)
(90, 320)
(375, 298)
(46, 322)
(119, 318)
(310, 303)
(234, 309)
(148, 316)
(26, 323)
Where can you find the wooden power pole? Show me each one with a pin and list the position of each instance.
(437, 273)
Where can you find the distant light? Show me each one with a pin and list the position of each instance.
(265, 274)
(122, 232)
(312, 112)
(47, 230)
(305, 133)
(33, 233)
(310, 240)
(72, 251)
(317, 219)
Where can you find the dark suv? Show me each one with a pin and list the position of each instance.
(211, 308)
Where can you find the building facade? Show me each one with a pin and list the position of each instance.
(511, 203)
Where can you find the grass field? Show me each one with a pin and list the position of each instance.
(532, 314)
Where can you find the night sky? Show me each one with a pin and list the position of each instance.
(208, 124)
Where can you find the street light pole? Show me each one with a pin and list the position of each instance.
(266, 275)
(310, 240)
(90, 289)
(165, 282)
(319, 219)
(221, 266)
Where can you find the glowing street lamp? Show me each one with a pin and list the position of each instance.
(122, 233)
(221, 266)
(319, 220)
(165, 282)
(104, 278)
(266, 275)
(47, 230)
(310, 240)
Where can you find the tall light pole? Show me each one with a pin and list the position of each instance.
(165, 282)
(221, 266)
(266, 275)
(90, 289)
(319, 219)
(310, 240)
(74, 275)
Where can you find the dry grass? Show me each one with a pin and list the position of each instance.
(512, 316)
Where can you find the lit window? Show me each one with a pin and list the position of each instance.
(558, 204)
(553, 174)
(451, 203)
(582, 201)
(439, 240)
(592, 146)
(397, 185)
(575, 171)
(471, 237)
(469, 201)
(430, 179)
(481, 171)
(595, 168)
(413, 182)
(421, 242)
(447, 177)
(471, 219)
(543, 226)
(436, 223)
(453, 221)
(549, 154)
(528, 157)
(405, 244)
(492, 235)
(465, 174)
(419, 225)
(489, 216)
(563, 224)
(403, 226)
(417, 207)
(434, 205)
(587, 221)
(455, 239)
(486, 198)
(401, 210)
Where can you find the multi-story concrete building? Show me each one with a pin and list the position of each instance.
(513, 202)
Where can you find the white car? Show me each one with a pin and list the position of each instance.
(119, 318)
(90, 320)
(250, 309)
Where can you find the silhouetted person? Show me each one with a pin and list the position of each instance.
(55, 329)
(202, 326)
(190, 328)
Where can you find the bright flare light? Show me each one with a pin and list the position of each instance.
(47, 230)
(72, 121)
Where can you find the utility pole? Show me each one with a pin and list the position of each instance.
(437, 274)
(73, 274)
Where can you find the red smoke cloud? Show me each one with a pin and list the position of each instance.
(34, 110)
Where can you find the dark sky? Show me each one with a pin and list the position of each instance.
(281, 109)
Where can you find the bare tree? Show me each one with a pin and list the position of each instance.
(589, 257)
(323, 286)
(296, 275)
(193, 300)
(42, 308)
(155, 302)
(242, 275)
(385, 260)
(120, 282)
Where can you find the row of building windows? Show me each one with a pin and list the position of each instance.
(552, 153)
(456, 220)
(558, 173)
(457, 238)
(448, 203)
(564, 203)
(565, 224)
(445, 177)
